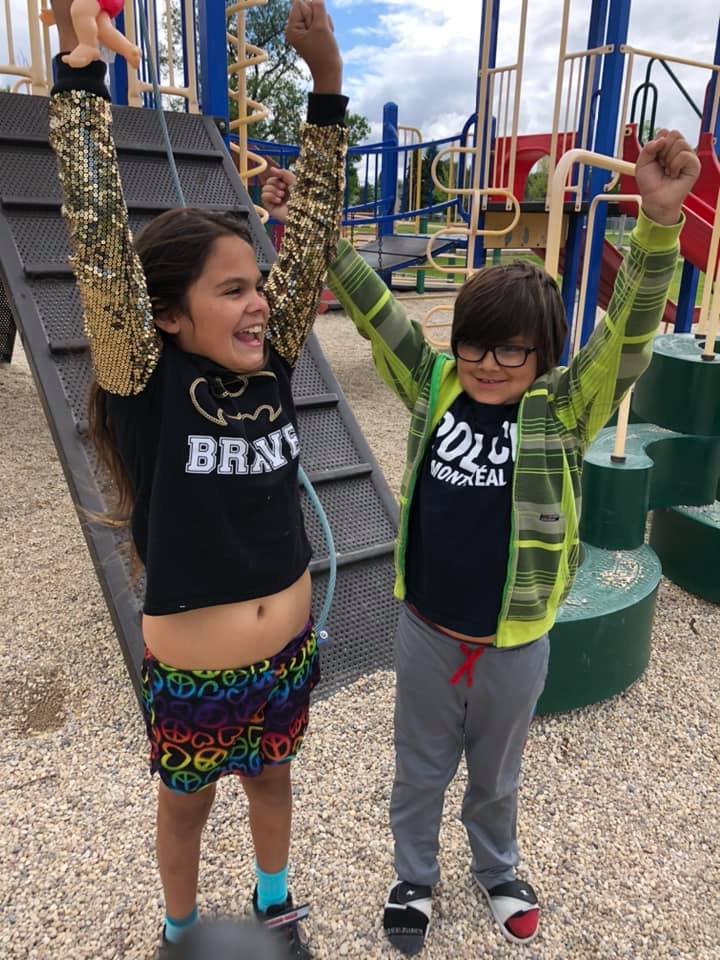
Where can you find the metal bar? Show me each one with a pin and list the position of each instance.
(339, 473)
(569, 280)
(557, 191)
(592, 52)
(600, 198)
(518, 93)
(708, 313)
(213, 59)
(37, 74)
(354, 556)
(623, 418)
(604, 140)
(566, 124)
(629, 66)
(317, 400)
(389, 169)
(562, 52)
(686, 298)
(9, 28)
(625, 48)
(712, 100)
(587, 109)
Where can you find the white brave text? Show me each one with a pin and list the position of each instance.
(234, 456)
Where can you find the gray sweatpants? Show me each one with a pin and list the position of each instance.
(434, 722)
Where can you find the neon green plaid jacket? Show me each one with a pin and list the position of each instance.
(558, 417)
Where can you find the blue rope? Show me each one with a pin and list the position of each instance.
(158, 104)
(320, 630)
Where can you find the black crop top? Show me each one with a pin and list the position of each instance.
(212, 455)
(213, 459)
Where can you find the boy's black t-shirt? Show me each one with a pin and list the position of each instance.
(459, 533)
(213, 460)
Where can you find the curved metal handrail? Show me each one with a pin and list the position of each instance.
(556, 196)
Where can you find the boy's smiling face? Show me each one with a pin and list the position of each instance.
(486, 381)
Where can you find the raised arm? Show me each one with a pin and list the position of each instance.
(117, 314)
(400, 352)
(588, 392)
(313, 223)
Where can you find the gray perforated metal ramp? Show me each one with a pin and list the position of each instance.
(39, 296)
(401, 250)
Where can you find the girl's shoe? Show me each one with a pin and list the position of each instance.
(284, 918)
(406, 918)
(515, 908)
(166, 950)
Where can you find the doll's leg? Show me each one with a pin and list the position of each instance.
(111, 37)
(84, 17)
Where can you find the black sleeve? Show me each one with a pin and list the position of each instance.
(91, 78)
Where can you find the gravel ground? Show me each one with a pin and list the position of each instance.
(619, 801)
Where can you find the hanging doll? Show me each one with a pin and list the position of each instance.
(93, 24)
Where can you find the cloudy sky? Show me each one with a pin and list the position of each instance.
(423, 55)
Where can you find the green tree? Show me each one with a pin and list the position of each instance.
(442, 174)
(279, 84)
(537, 181)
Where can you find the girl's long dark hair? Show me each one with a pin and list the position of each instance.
(173, 249)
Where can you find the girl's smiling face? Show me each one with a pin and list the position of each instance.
(225, 313)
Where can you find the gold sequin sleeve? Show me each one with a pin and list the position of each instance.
(310, 239)
(117, 315)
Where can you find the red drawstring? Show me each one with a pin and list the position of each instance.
(472, 655)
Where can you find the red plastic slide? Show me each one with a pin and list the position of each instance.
(700, 205)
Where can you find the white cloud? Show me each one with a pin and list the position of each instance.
(429, 61)
(429, 67)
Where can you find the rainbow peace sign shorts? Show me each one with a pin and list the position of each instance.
(205, 724)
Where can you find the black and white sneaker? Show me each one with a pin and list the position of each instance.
(406, 918)
(284, 918)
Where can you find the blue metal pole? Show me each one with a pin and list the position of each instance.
(571, 266)
(480, 251)
(118, 71)
(686, 298)
(573, 244)
(213, 61)
(691, 274)
(710, 95)
(389, 169)
(606, 128)
(184, 27)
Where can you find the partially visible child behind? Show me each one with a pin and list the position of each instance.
(488, 545)
(194, 414)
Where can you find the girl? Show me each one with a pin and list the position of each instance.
(488, 541)
(194, 415)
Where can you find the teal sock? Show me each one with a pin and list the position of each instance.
(176, 929)
(272, 888)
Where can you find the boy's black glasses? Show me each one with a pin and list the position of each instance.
(508, 356)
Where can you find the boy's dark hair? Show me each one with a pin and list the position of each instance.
(519, 299)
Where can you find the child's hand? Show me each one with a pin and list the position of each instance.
(666, 171)
(277, 186)
(310, 31)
